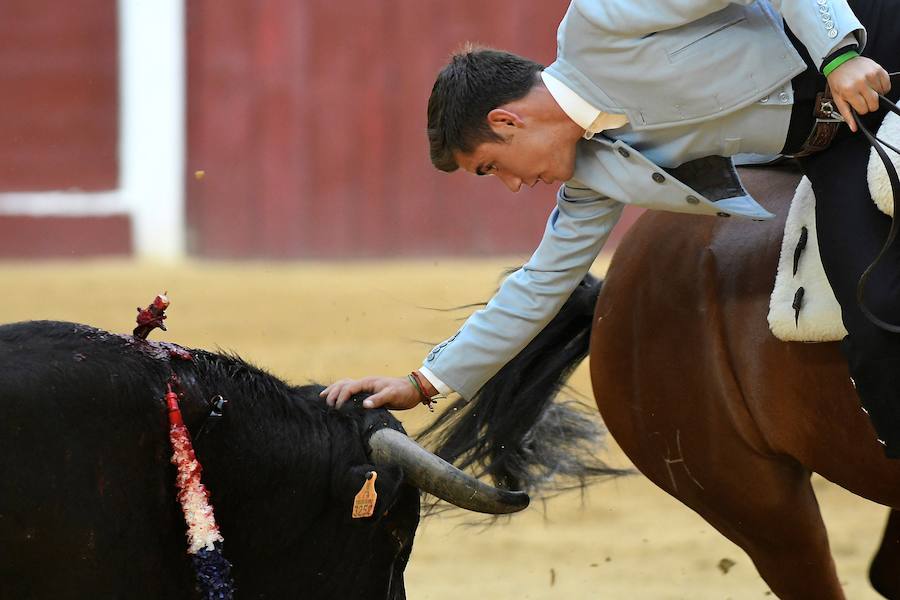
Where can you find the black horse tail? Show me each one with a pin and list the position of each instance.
(516, 430)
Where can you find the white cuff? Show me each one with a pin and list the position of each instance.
(849, 40)
(439, 385)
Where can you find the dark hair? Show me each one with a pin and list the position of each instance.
(475, 81)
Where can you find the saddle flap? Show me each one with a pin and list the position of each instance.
(802, 307)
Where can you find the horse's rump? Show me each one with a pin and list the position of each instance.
(683, 363)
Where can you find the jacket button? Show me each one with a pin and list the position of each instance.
(722, 214)
(624, 152)
(658, 177)
(692, 200)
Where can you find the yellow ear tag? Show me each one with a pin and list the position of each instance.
(364, 503)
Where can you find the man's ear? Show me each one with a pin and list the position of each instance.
(502, 120)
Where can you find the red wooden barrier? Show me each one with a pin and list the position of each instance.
(64, 237)
(59, 105)
(59, 114)
(308, 119)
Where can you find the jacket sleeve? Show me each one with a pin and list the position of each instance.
(821, 25)
(530, 297)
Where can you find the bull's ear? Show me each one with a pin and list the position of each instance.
(388, 486)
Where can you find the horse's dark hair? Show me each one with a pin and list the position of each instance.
(474, 82)
(514, 430)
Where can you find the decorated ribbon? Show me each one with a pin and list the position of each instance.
(204, 540)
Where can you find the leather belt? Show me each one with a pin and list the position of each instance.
(828, 120)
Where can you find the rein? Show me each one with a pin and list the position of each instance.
(878, 144)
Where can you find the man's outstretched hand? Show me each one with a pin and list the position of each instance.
(857, 83)
(387, 392)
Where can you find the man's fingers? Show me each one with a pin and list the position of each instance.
(346, 392)
(328, 393)
(858, 102)
(386, 392)
(340, 396)
(879, 81)
(331, 392)
(871, 98)
(857, 84)
(334, 393)
(844, 109)
(377, 400)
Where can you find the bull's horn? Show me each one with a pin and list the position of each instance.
(436, 476)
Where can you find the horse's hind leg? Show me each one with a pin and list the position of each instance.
(764, 504)
(778, 524)
(884, 573)
(760, 500)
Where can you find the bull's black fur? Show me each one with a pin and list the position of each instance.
(513, 431)
(88, 507)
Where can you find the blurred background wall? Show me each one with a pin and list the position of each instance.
(247, 128)
(59, 128)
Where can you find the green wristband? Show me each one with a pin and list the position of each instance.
(838, 61)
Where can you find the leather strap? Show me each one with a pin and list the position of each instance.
(825, 128)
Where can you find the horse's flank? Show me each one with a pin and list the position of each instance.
(713, 408)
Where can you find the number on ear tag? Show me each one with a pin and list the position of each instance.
(364, 503)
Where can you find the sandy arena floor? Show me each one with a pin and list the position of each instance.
(320, 321)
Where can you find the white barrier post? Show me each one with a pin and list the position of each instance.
(152, 124)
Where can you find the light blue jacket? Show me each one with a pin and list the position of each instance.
(696, 78)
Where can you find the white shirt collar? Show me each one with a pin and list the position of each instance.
(576, 107)
(591, 119)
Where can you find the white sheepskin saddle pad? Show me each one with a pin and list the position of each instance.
(802, 307)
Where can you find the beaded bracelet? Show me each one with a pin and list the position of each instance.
(426, 399)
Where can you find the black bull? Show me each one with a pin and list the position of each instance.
(88, 507)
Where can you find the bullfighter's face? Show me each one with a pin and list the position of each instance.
(532, 149)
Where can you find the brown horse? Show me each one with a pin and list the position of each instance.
(703, 399)
(716, 411)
